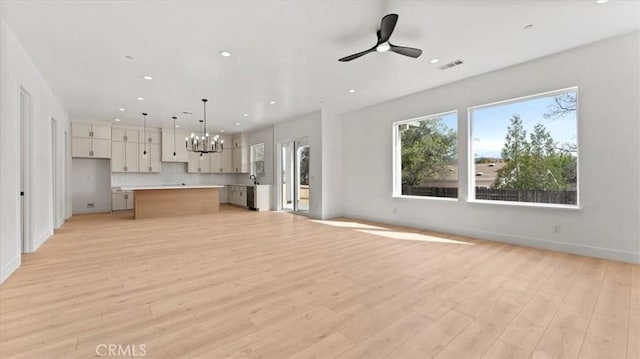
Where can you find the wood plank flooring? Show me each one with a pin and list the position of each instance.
(241, 284)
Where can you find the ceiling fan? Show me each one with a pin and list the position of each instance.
(383, 45)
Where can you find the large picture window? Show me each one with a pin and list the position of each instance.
(426, 158)
(526, 150)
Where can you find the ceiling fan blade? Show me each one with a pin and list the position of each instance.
(406, 51)
(355, 56)
(386, 27)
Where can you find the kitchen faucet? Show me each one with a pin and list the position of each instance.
(255, 180)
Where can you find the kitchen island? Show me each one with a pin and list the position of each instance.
(178, 200)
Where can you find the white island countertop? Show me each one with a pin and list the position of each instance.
(143, 188)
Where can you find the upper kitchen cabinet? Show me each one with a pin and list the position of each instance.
(90, 130)
(124, 134)
(239, 141)
(90, 140)
(174, 143)
(199, 163)
(151, 135)
(124, 156)
(240, 154)
(152, 161)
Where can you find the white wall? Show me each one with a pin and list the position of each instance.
(90, 185)
(18, 70)
(607, 225)
(331, 165)
(308, 126)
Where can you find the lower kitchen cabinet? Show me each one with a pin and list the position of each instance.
(121, 200)
(237, 195)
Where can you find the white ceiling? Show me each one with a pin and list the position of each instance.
(285, 51)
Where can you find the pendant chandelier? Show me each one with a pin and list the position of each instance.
(202, 143)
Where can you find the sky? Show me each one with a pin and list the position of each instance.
(489, 124)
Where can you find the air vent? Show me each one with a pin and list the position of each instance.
(451, 64)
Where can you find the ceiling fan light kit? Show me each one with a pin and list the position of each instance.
(387, 26)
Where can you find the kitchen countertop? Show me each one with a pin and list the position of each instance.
(142, 188)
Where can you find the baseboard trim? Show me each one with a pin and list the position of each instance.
(572, 248)
(40, 240)
(9, 268)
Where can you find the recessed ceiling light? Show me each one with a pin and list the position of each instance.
(116, 119)
(601, 1)
(245, 115)
(352, 91)
(140, 98)
(237, 123)
(527, 27)
(434, 60)
(177, 126)
(121, 109)
(272, 102)
(225, 53)
(147, 77)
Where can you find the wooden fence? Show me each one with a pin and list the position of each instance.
(513, 195)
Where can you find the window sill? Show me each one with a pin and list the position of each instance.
(446, 199)
(526, 204)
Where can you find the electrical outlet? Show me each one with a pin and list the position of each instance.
(395, 210)
(557, 228)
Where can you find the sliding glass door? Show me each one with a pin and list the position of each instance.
(294, 176)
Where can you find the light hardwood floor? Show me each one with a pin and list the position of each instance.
(243, 284)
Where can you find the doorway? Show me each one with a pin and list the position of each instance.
(294, 176)
(25, 125)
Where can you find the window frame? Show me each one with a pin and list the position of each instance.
(397, 158)
(471, 177)
(252, 160)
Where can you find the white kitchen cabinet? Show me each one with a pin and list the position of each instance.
(239, 141)
(124, 157)
(90, 140)
(90, 148)
(121, 200)
(215, 162)
(240, 154)
(168, 146)
(259, 197)
(239, 160)
(237, 195)
(101, 148)
(80, 147)
(153, 160)
(199, 163)
(90, 130)
(152, 135)
(123, 134)
(226, 161)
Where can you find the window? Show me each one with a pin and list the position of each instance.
(526, 150)
(257, 160)
(426, 156)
